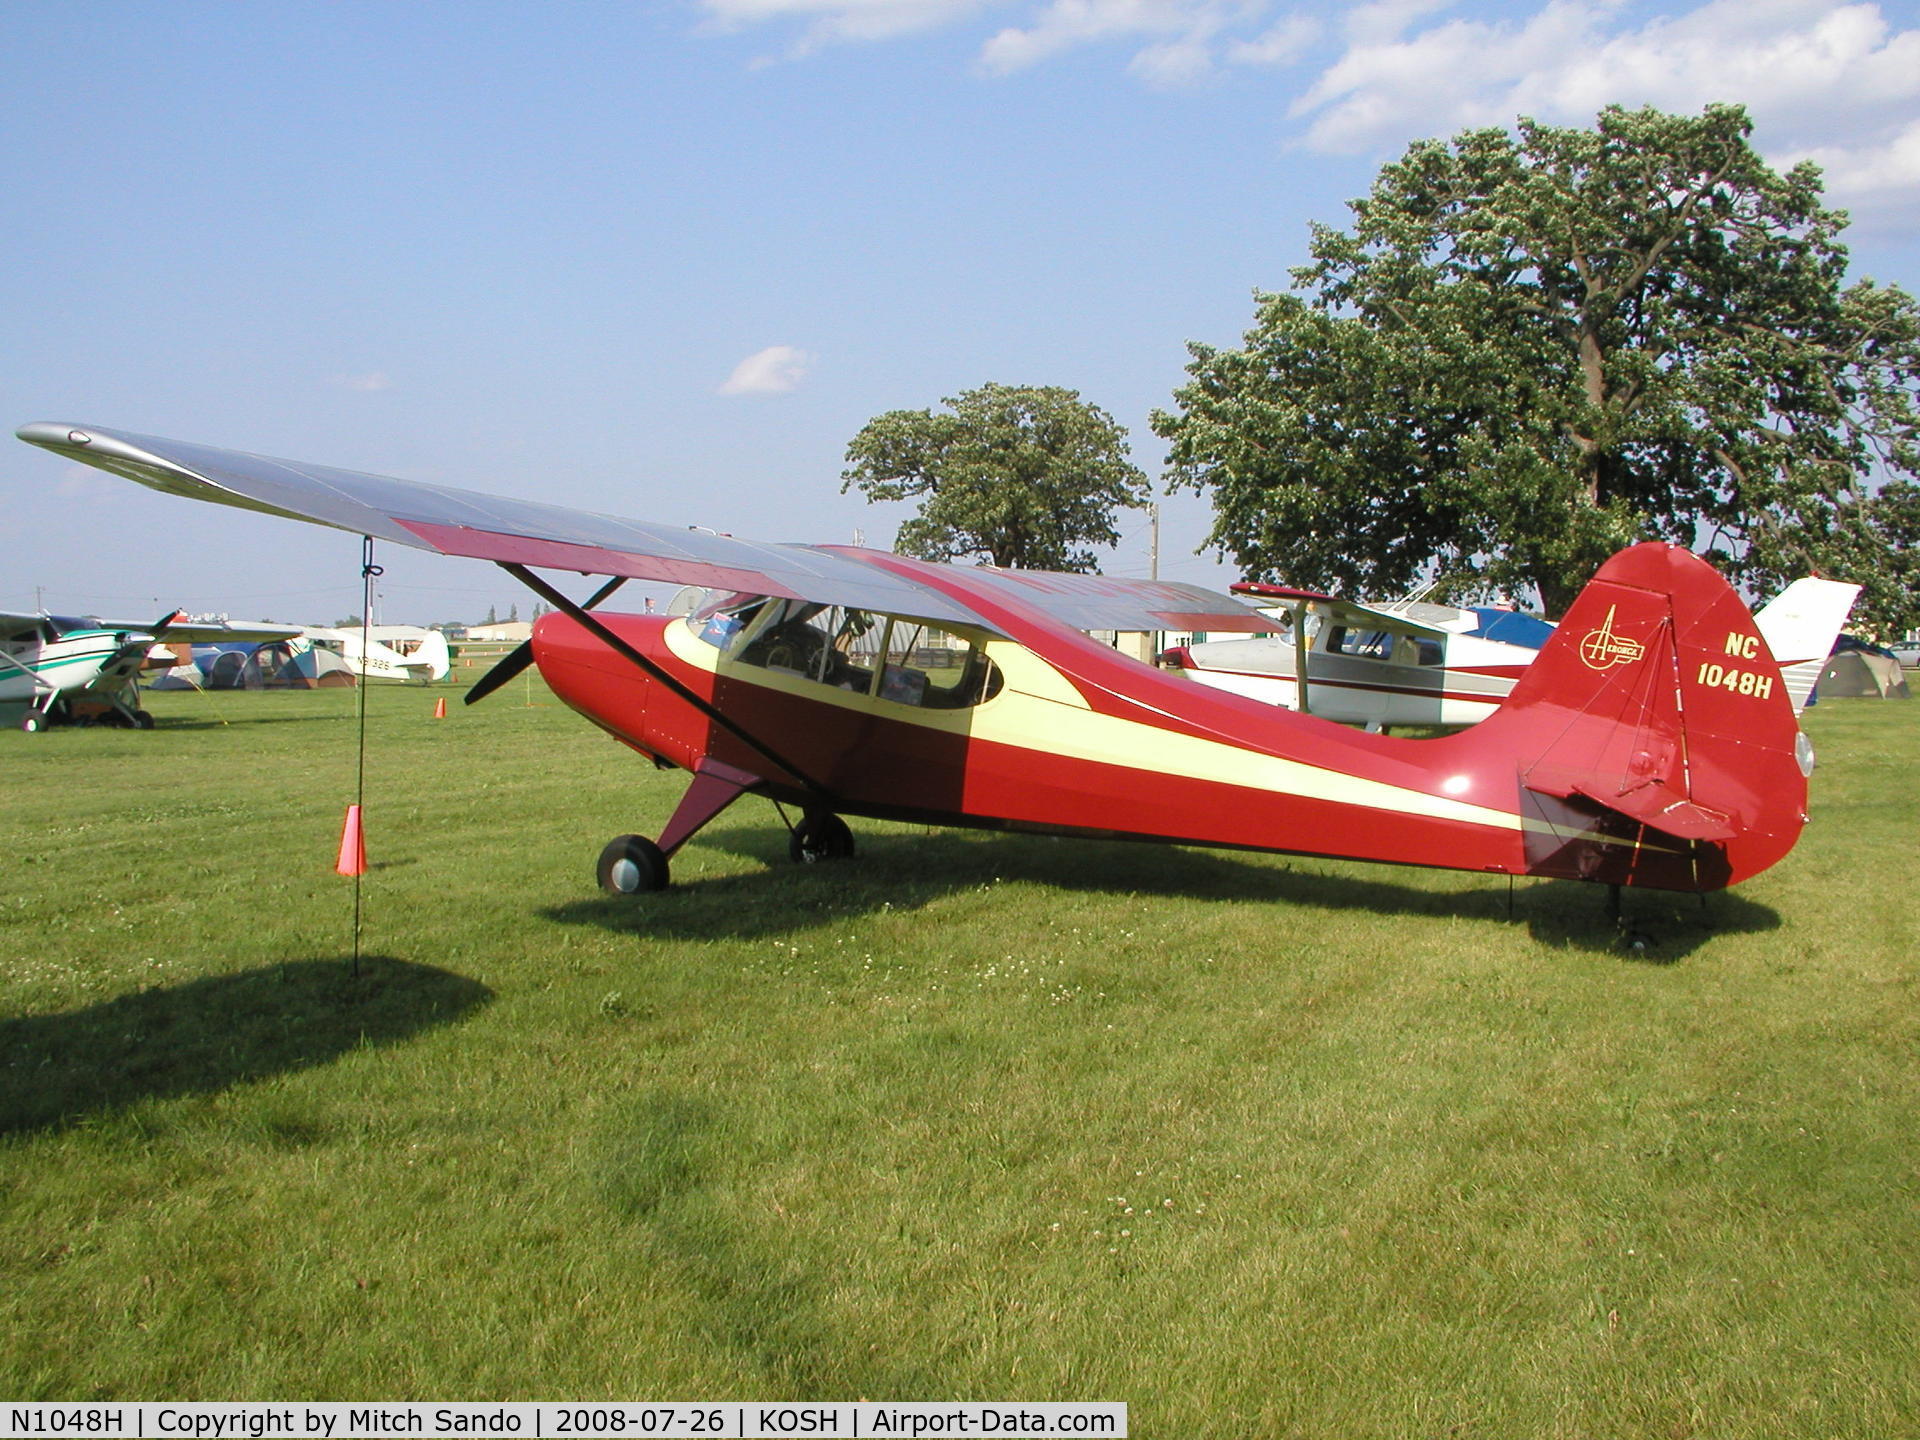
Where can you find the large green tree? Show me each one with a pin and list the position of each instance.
(1535, 347)
(1022, 476)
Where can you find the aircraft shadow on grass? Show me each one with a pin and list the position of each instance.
(209, 1034)
(174, 720)
(906, 871)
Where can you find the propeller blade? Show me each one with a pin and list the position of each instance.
(515, 660)
(521, 656)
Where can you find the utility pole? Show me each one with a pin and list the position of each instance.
(1156, 639)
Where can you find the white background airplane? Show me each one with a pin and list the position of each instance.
(1407, 662)
(390, 652)
(58, 668)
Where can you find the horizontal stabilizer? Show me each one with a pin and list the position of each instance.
(1659, 807)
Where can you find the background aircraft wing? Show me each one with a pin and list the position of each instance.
(488, 527)
(18, 622)
(174, 632)
(213, 632)
(1336, 611)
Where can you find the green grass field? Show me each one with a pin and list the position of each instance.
(1260, 1146)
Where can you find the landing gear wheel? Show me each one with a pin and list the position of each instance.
(820, 837)
(631, 865)
(142, 720)
(33, 722)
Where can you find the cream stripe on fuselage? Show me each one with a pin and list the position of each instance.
(1038, 709)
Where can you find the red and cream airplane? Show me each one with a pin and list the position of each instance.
(1651, 743)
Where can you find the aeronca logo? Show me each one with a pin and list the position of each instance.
(1601, 649)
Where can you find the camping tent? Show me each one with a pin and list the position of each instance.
(309, 668)
(1862, 672)
(224, 666)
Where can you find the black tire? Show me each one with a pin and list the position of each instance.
(631, 865)
(142, 720)
(820, 837)
(33, 722)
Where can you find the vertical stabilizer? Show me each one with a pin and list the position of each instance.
(1800, 625)
(1654, 741)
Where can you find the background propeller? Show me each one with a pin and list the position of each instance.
(521, 656)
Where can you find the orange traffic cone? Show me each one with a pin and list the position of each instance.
(353, 848)
(440, 708)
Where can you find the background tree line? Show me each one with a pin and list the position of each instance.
(1530, 349)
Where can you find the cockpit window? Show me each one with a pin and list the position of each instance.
(934, 668)
(828, 644)
(903, 661)
(1372, 644)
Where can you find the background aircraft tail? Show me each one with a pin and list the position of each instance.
(1654, 739)
(1800, 625)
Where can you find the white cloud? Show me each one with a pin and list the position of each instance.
(366, 384)
(1177, 42)
(1174, 64)
(1894, 166)
(772, 371)
(1064, 24)
(1834, 82)
(1282, 44)
(828, 22)
(1384, 20)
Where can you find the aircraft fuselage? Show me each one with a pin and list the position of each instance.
(1087, 741)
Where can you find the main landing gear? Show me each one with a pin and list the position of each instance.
(630, 865)
(819, 836)
(635, 865)
(59, 709)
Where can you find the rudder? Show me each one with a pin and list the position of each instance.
(1654, 740)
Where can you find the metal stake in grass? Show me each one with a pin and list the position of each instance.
(368, 572)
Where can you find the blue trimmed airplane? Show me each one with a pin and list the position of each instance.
(1406, 662)
(66, 668)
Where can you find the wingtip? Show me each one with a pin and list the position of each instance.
(53, 435)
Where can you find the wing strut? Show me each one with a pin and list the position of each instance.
(1301, 652)
(620, 647)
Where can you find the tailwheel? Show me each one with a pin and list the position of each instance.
(631, 865)
(820, 837)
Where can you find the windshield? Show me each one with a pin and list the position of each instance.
(903, 661)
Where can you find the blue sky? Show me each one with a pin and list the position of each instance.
(666, 259)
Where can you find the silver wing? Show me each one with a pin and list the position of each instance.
(489, 527)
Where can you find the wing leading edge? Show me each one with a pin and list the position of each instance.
(450, 521)
(1337, 611)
